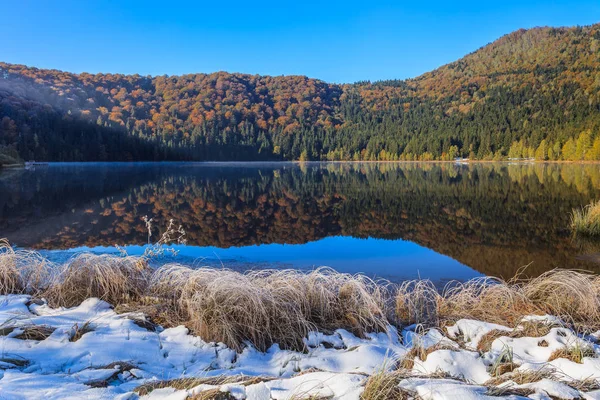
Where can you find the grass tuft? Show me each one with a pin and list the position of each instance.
(34, 332)
(79, 330)
(486, 299)
(522, 377)
(110, 278)
(383, 385)
(573, 296)
(575, 353)
(586, 221)
(271, 306)
(23, 272)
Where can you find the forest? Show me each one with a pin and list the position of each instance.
(530, 94)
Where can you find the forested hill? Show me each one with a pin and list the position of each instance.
(532, 93)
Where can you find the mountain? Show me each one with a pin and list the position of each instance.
(532, 93)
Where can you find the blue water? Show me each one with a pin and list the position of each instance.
(394, 260)
(387, 220)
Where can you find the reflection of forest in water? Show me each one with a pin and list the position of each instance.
(494, 218)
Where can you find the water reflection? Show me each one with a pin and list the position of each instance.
(493, 218)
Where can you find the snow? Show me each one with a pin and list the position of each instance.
(466, 365)
(120, 355)
(473, 331)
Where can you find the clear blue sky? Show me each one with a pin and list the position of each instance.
(338, 41)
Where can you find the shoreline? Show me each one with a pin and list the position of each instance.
(465, 162)
(101, 326)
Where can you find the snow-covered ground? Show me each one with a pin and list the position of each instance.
(117, 354)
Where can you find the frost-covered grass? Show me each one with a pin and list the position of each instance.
(586, 221)
(216, 333)
(282, 306)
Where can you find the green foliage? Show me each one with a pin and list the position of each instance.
(532, 93)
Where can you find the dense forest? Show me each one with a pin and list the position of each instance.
(530, 94)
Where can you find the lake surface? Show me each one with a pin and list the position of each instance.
(393, 220)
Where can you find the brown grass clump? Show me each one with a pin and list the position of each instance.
(571, 295)
(496, 391)
(383, 385)
(486, 299)
(522, 377)
(586, 221)
(34, 332)
(417, 302)
(574, 296)
(485, 343)
(535, 328)
(23, 272)
(575, 353)
(150, 313)
(585, 385)
(80, 330)
(110, 278)
(271, 306)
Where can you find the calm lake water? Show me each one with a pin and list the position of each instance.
(390, 220)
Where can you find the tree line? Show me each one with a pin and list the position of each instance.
(532, 93)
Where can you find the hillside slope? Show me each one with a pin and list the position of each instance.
(531, 93)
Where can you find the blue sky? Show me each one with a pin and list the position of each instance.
(338, 41)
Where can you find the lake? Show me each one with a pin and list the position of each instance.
(441, 221)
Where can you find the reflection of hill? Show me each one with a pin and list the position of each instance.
(494, 218)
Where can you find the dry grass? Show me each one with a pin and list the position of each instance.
(506, 391)
(585, 385)
(486, 299)
(110, 278)
(31, 332)
(282, 306)
(150, 314)
(271, 306)
(418, 351)
(35, 332)
(190, 383)
(573, 296)
(503, 363)
(586, 221)
(383, 385)
(417, 302)
(524, 329)
(523, 377)
(23, 271)
(80, 330)
(575, 353)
